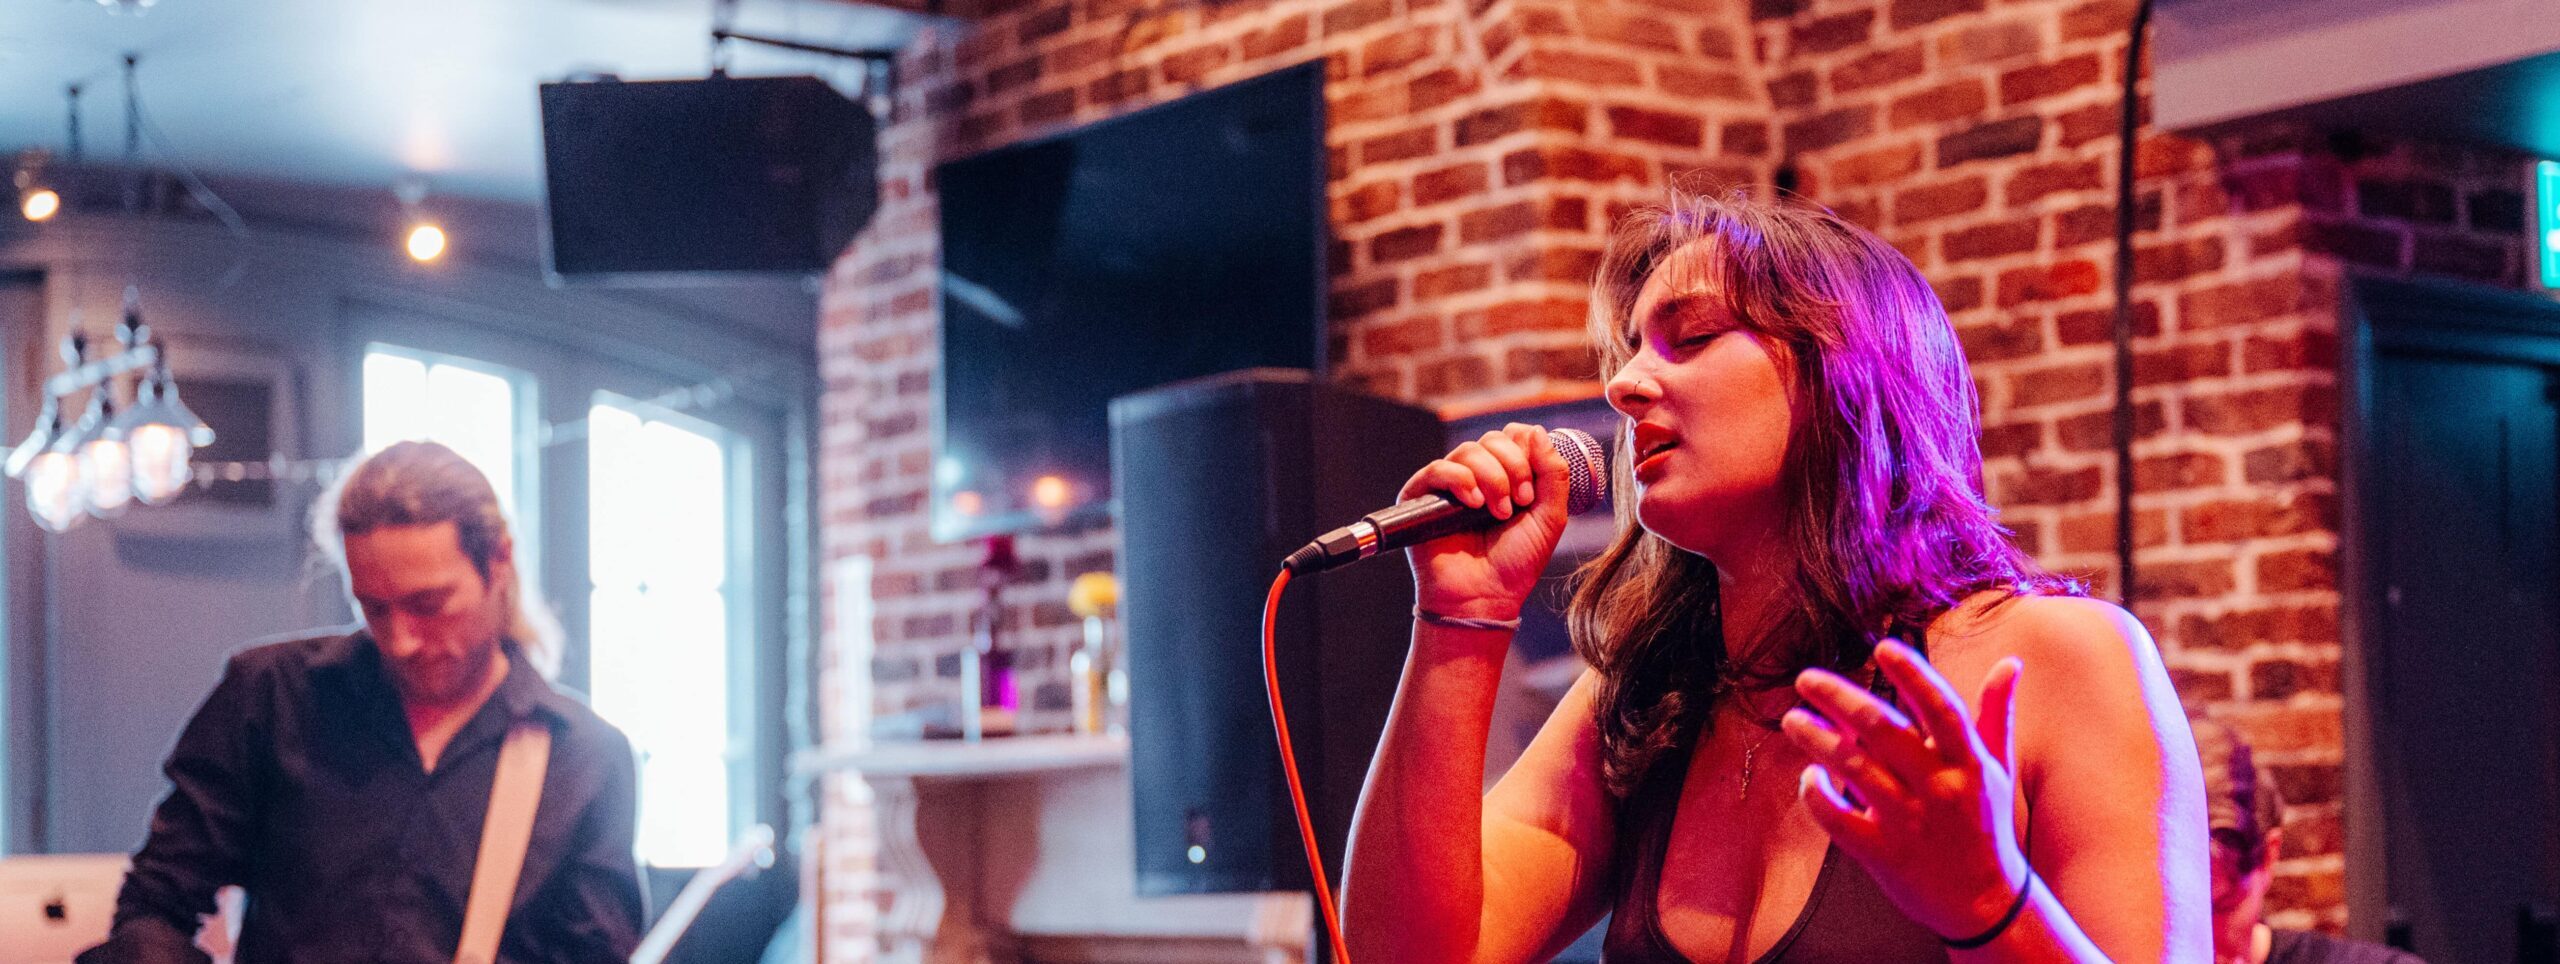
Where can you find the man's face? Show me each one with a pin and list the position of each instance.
(435, 617)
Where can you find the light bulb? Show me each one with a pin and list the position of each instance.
(40, 204)
(1049, 492)
(107, 465)
(426, 243)
(54, 496)
(160, 454)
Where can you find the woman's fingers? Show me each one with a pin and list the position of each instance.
(1446, 476)
(1875, 725)
(1854, 831)
(1516, 466)
(1940, 712)
(1880, 790)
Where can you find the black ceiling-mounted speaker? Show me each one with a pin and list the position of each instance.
(674, 180)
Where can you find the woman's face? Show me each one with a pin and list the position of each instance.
(1707, 405)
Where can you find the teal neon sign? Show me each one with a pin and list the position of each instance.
(2546, 200)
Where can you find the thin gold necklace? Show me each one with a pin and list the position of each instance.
(1769, 727)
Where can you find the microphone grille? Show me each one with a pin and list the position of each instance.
(1586, 465)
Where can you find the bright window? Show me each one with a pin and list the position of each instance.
(659, 558)
(469, 407)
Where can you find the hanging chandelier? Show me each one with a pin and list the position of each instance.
(114, 454)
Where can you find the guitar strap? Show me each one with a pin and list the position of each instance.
(513, 795)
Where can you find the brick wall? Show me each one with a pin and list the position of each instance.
(1478, 150)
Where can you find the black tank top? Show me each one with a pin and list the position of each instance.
(1846, 920)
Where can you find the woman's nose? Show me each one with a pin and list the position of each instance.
(1630, 391)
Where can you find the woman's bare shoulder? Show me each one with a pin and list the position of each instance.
(2058, 637)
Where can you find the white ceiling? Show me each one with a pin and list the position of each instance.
(360, 93)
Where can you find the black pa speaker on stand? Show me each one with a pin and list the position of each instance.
(676, 180)
(1219, 479)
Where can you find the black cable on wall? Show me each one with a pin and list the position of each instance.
(2124, 303)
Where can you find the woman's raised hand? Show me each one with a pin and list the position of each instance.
(1928, 806)
(1488, 573)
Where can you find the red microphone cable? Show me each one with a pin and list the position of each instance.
(1289, 766)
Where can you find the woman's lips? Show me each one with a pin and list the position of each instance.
(1652, 464)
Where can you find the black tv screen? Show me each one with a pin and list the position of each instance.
(1178, 241)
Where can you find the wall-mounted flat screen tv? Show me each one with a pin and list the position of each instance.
(1177, 241)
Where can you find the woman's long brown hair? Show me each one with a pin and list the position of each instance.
(1886, 520)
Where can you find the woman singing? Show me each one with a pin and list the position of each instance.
(1833, 717)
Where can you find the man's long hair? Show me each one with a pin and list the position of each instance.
(1886, 523)
(424, 483)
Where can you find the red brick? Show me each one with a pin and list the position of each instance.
(1568, 364)
(1405, 337)
(1547, 263)
(1876, 68)
(2182, 363)
(1794, 90)
(1497, 223)
(2259, 409)
(2000, 340)
(1866, 212)
(2012, 440)
(1404, 145)
(1541, 21)
(1990, 240)
(2094, 122)
(1078, 56)
(2199, 688)
(1014, 75)
(2097, 326)
(1052, 106)
(2177, 260)
(1551, 314)
(1368, 201)
(1277, 39)
(1905, 14)
(2095, 532)
(2180, 470)
(2306, 350)
(1830, 129)
(1959, 293)
(2201, 200)
(1455, 376)
(1930, 202)
(1453, 280)
(1190, 66)
(1361, 299)
(2243, 628)
(1837, 32)
(2071, 382)
(1044, 23)
(1439, 87)
(1679, 81)
(1347, 17)
(1883, 164)
(1118, 86)
(2203, 579)
(2048, 486)
(1633, 30)
(1370, 102)
(2161, 155)
(2095, 431)
(1395, 51)
(1996, 139)
(2297, 570)
(2047, 282)
(1713, 42)
(1543, 113)
(2241, 303)
(2098, 18)
(1405, 244)
(2307, 458)
(1955, 100)
(1594, 69)
(2031, 184)
(2063, 76)
(1988, 43)
(1572, 164)
(2236, 520)
(1657, 127)
(1744, 137)
(1449, 184)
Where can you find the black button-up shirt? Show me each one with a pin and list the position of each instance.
(300, 781)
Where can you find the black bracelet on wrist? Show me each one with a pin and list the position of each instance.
(1462, 622)
(2005, 919)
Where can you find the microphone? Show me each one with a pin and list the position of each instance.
(1432, 516)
